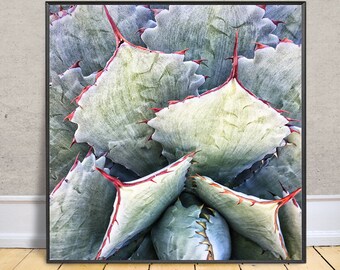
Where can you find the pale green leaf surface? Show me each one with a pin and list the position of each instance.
(291, 15)
(245, 249)
(180, 235)
(208, 31)
(110, 112)
(140, 203)
(86, 35)
(80, 212)
(250, 216)
(285, 170)
(291, 225)
(230, 128)
(275, 75)
(62, 90)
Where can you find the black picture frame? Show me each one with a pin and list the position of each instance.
(303, 126)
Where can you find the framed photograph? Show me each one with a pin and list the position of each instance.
(176, 132)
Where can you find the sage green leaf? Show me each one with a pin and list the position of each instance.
(140, 203)
(145, 251)
(245, 249)
(291, 16)
(208, 31)
(85, 35)
(61, 92)
(185, 233)
(111, 112)
(275, 75)
(80, 208)
(283, 169)
(230, 128)
(291, 224)
(252, 217)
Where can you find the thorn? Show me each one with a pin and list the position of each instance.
(205, 242)
(282, 111)
(201, 233)
(70, 116)
(73, 142)
(172, 102)
(277, 22)
(75, 65)
(140, 30)
(276, 154)
(263, 7)
(75, 163)
(150, 138)
(206, 77)
(202, 224)
(143, 121)
(89, 152)
(156, 110)
(283, 188)
(156, 11)
(292, 130)
(182, 52)
(260, 46)
(118, 35)
(292, 120)
(233, 74)
(189, 97)
(117, 183)
(199, 61)
(286, 40)
(286, 199)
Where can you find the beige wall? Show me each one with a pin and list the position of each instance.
(22, 97)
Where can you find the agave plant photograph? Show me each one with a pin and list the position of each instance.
(175, 132)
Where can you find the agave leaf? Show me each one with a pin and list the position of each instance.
(275, 75)
(85, 34)
(291, 225)
(252, 217)
(111, 112)
(245, 249)
(237, 129)
(80, 211)
(145, 251)
(62, 90)
(207, 30)
(283, 169)
(191, 233)
(290, 16)
(139, 203)
(128, 250)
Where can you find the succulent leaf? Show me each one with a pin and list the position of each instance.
(86, 35)
(80, 211)
(207, 30)
(63, 90)
(145, 251)
(291, 226)
(252, 217)
(283, 169)
(275, 75)
(291, 18)
(111, 113)
(238, 129)
(183, 233)
(139, 203)
(245, 249)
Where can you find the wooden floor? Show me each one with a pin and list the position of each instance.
(318, 258)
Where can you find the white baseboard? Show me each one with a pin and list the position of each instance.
(23, 221)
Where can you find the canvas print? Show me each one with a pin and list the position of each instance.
(175, 132)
